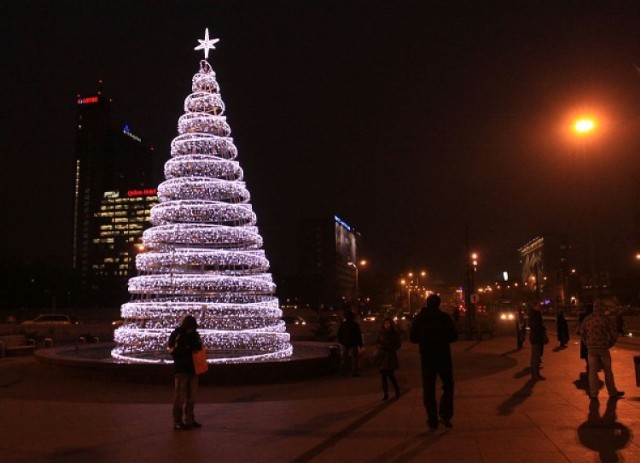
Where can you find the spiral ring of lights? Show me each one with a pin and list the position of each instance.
(202, 235)
(202, 188)
(238, 341)
(163, 262)
(259, 342)
(188, 284)
(223, 323)
(150, 309)
(149, 351)
(204, 144)
(204, 123)
(205, 80)
(204, 102)
(202, 166)
(211, 212)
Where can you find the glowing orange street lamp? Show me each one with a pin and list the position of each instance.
(584, 126)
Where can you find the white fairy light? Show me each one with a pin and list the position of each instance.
(203, 254)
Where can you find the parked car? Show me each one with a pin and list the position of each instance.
(51, 319)
(294, 320)
(506, 315)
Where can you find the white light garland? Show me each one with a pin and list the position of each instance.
(204, 123)
(210, 212)
(167, 237)
(203, 255)
(203, 144)
(254, 261)
(203, 188)
(202, 166)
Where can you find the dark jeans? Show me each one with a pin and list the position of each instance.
(184, 397)
(430, 371)
(350, 360)
(536, 355)
(386, 374)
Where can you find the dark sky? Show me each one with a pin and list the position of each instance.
(407, 119)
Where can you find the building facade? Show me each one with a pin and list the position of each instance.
(111, 161)
(327, 256)
(545, 271)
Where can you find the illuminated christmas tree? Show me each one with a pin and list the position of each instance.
(203, 255)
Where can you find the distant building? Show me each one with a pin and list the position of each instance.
(110, 161)
(121, 219)
(545, 272)
(327, 252)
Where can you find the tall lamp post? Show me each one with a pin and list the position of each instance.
(422, 274)
(403, 282)
(584, 128)
(469, 295)
(355, 266)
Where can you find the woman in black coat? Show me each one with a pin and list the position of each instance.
(387, 356)
(562, 329)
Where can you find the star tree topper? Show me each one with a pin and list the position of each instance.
(206, 44)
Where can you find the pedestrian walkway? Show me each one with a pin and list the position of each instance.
(500, 415)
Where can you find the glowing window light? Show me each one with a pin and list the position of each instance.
(203, 255)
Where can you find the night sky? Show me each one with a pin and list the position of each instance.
(407, 119)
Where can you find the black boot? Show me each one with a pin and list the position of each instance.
(396, 388)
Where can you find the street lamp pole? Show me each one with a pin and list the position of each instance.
(470, 314)
(355, 266)
(584, 127)
(421, 274)
(357, 270)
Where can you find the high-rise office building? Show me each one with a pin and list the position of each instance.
(111, 162)
(326, 262)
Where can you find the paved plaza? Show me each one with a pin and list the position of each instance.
(51, 415)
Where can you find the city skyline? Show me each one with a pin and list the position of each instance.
(410, 122)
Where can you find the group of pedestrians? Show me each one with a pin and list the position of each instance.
(597, 335)
(433, 331)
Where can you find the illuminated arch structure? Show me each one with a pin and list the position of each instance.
(203, 255)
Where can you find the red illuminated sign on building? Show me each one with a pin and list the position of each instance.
(145, 192)
(88, 100)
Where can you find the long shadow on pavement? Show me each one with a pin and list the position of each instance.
(410, 448)
(526, 371)
(508, 406)
(341, 434)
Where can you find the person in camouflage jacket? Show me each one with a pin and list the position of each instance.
(599, 334)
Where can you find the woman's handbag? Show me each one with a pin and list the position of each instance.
(200, 361)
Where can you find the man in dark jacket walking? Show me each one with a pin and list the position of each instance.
(433, 330)
(350, 338)
(183, 342)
